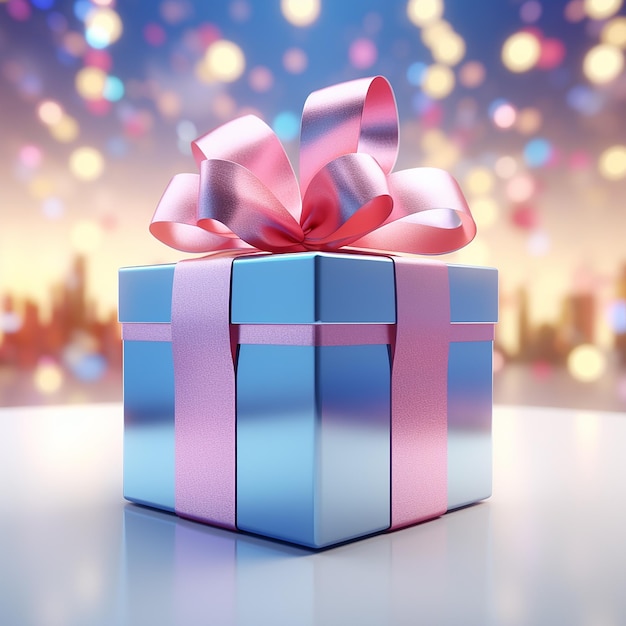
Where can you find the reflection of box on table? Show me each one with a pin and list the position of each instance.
(314, 426)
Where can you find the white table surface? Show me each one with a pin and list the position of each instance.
(548, 548)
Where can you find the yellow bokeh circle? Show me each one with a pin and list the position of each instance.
(422, 12)
(602, 9)
(48, 377)
(300, 12)
(90, 83)
(521, 52)
(603, 63)
(438, 81)
(86, 163)
(614, 32)
(105, 26)
(479, 181)
(586, 363)
(612, 163)
(223, 61)
(66, 130)
(449, 50)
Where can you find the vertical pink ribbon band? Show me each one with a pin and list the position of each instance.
(204, 394)
(419, 392)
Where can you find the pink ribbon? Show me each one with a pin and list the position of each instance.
(247, 195)
(246, 199)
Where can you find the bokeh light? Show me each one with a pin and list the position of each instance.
(602, 9)
(86, 163)
(586, 363)
(90, 83)
(616, 314)
(103, 27)
(521, 51)
(286, 125)
(614, 32)
(422, 12)
(603, 63)
(612, 163)
(362, 53)
(525, 217)
(504, 115)
(48, 377)
(520, 188)
(505, 166)
(528, 121)
(295, 60)
(50, 112)
(30, 156)
(261, 78)
(66, 130)
(438, 81)
(530, 11)
(415, 73)
(537, 152)
(113, 89)
(472, 74)
(574, 11)
(449, 50)
(223, 61)
(154, 34)
(552, 54)
(585, 100)
(433, 32)
(74, 44)
(10, 322)
(19, 10)
(479, 181)
(300, 12)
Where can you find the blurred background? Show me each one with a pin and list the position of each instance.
(522, 100)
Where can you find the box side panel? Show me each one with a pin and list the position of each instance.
(276, 440)
(149, 423)
(469, 422)
(473, 293)
(353, 497)
(313, 441)
(145, 293)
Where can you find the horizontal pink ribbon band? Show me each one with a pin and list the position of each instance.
(309, 334)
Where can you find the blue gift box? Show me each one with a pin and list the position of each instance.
(313, 422)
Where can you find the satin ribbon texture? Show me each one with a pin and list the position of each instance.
(246, 195)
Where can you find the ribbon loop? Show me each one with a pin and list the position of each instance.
(247, 195)
(357, 116)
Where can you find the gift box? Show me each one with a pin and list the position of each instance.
(327, 390)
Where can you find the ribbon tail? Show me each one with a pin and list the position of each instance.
(204, 391)
(419, 392)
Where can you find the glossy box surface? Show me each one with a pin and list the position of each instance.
(313, 421)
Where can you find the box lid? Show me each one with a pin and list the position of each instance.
(306, 288)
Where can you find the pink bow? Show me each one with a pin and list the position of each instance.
(247, 195)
